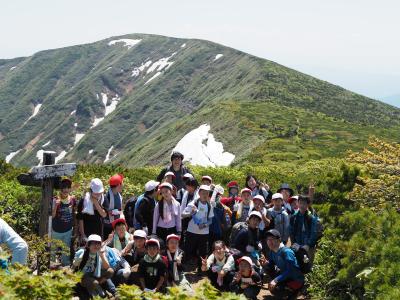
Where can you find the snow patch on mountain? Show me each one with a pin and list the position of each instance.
(160, 64)
(35, 111)
(154, 77)
(129, 43)
(200, 148)
(45, 145)
(10, 156)
(218, 56)
(108, 154)
(60, 156)
(78, 137)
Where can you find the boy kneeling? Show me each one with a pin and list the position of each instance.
(282, 266)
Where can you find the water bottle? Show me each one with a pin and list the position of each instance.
(305, 259)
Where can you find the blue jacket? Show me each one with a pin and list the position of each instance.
(287, 264)
(303, 229)
(17, 245)
(217, 220)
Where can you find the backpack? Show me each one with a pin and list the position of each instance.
(129, 211)
(303, 260)
(235, 231)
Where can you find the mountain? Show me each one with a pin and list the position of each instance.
(392, 100)
(131, 99)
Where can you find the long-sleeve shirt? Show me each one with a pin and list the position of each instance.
(303, 229)
(287, 264)
(175, 220)
(281, 222)
(227, 263)
(17, 245)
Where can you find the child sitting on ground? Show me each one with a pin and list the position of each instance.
(92, 261)
(152, 268)
(220, 266)
(246, 280)
(175, 275)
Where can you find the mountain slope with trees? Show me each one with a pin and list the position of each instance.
(129, 99)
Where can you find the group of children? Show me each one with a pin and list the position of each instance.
(152, 240)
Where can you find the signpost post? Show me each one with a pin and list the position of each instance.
(48, 177)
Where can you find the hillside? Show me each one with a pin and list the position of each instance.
(130, 99)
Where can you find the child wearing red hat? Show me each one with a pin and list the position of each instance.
(246, 280)
(112, 203)
(152, 268)
(175, 275)
(120, 237)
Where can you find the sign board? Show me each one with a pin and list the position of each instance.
(52, 171)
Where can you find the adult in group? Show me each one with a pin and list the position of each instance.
(289, 276)
(145, 209)
(15, 243)
(177, 168)
(258, 188)
(112, 203)
(91, 211)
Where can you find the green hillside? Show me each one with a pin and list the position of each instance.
(259, 110)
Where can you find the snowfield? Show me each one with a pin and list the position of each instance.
(129, 43)
(35, 111)
(154, 77)
(160, 64)
(108, 154)
(10, 156)
(61, 156)
(78, 137)
(45, 145)
(200, 148)
(218, 56)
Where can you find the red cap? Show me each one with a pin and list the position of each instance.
(115, 222)
(116, 179)
(233, 184)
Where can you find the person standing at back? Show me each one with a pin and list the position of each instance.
(177, 168)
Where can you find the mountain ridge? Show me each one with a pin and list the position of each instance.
(158, 103)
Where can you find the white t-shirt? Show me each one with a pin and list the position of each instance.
(201, 215)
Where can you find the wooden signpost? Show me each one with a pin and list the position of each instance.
(48, 177)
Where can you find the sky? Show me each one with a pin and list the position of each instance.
(353, 43)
